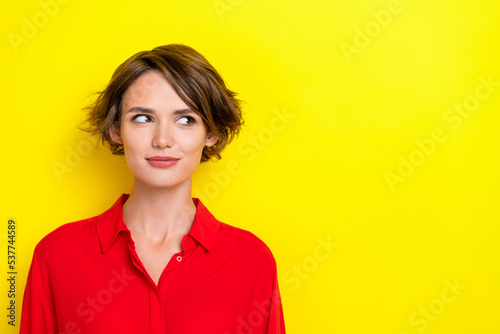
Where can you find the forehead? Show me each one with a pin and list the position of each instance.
(152, 90)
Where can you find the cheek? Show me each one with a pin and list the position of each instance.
(192, 143)
(133, 146)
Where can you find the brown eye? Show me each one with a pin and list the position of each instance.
(186, 120)
(142, 119)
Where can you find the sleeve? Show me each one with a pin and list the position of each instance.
(276, 322)
(38, 312)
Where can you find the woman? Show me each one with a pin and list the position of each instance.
(157, 261)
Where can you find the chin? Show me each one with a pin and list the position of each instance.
(162, 182)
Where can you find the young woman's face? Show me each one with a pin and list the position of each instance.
(162, 137)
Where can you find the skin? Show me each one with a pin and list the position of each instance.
(160, 210)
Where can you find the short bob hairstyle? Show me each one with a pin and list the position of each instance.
(198, 84)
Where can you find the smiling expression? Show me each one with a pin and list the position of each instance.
(162, 137)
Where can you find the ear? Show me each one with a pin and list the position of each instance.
(114, 133)
(211, 139)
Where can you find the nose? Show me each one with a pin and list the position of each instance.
(162, 137)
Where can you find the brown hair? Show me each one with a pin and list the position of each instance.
(198, 84)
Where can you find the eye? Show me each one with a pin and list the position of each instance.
(142, 119)
(186, 120)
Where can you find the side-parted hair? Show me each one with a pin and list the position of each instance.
(197, 83)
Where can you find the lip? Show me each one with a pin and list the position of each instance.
(162, 162)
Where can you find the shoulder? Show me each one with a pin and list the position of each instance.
(246, 245)
(67, 237)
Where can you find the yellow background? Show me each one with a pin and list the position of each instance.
(357, 84)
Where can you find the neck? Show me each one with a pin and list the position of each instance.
(159, 214)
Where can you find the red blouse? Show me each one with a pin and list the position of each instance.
(86, 277)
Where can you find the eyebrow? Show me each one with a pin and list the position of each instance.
(151, 111)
